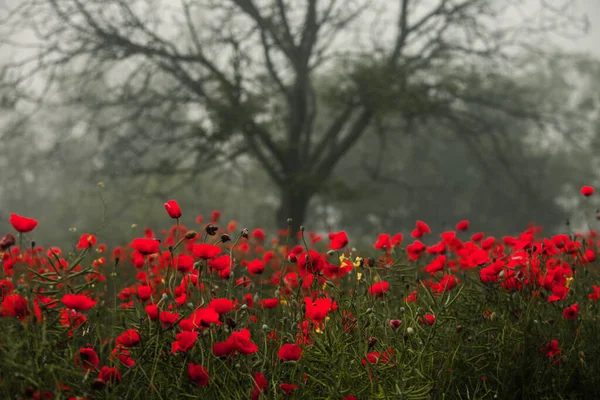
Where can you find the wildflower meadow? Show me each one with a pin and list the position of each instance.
(209, 309)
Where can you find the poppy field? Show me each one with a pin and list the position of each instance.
(210, 309)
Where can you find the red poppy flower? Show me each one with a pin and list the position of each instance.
(379, 288)
(338, 240)
(146, 246)
(184, 263)
(427, 319)
(14, 305)
(173, 209)
(552, 349)
(184, 341)
(206, 251)
(198, 374)
(87, 358)
(144, 292)
(216, 214)
(377, 357)
(168, 318)
(78, 302)
(109, 375)
(220, 263)
(129, 338)
(259, 235)
(256, 267)
(242, 343)
(397, 239)
(595, 296)
(260, 385)
(152, 311)
(288, 388)
(123, 355)
(383, 242)
(22, 224)
(421, 229)
(317, 310)
(571, 312)
(71, 318)
(86, 241)
(269, 303)
(462, 225)
(201, 317)
(221, 306)
(587, 191)
(289, 352)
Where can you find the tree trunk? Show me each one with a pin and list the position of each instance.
(294, 205)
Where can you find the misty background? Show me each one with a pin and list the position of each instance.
(362, 115)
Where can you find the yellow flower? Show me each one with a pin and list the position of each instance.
(359, 276)
(569, 279)
(357, 262)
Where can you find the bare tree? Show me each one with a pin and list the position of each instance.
(247, 70)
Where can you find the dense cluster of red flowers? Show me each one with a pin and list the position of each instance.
(172, 278)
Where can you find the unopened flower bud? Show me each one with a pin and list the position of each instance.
(211, 229)
(265, 328)
(244, 233)
(225, 238)
(330, 252)
(410, 330)
(7, 241)
(190, 235)
(302, 228)
(395, 323)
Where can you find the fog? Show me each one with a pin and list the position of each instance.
(357, 115)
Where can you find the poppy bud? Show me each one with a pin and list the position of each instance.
(29, 391)
(395, 323)
(173, 209)
(190, 235)
(225, 238)
(98, 384)
(302, 228)
(211, 229)
(7, 241)
(372, 342)
(289, 221)
(244, 233)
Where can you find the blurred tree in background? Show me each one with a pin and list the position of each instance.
(356, 114)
